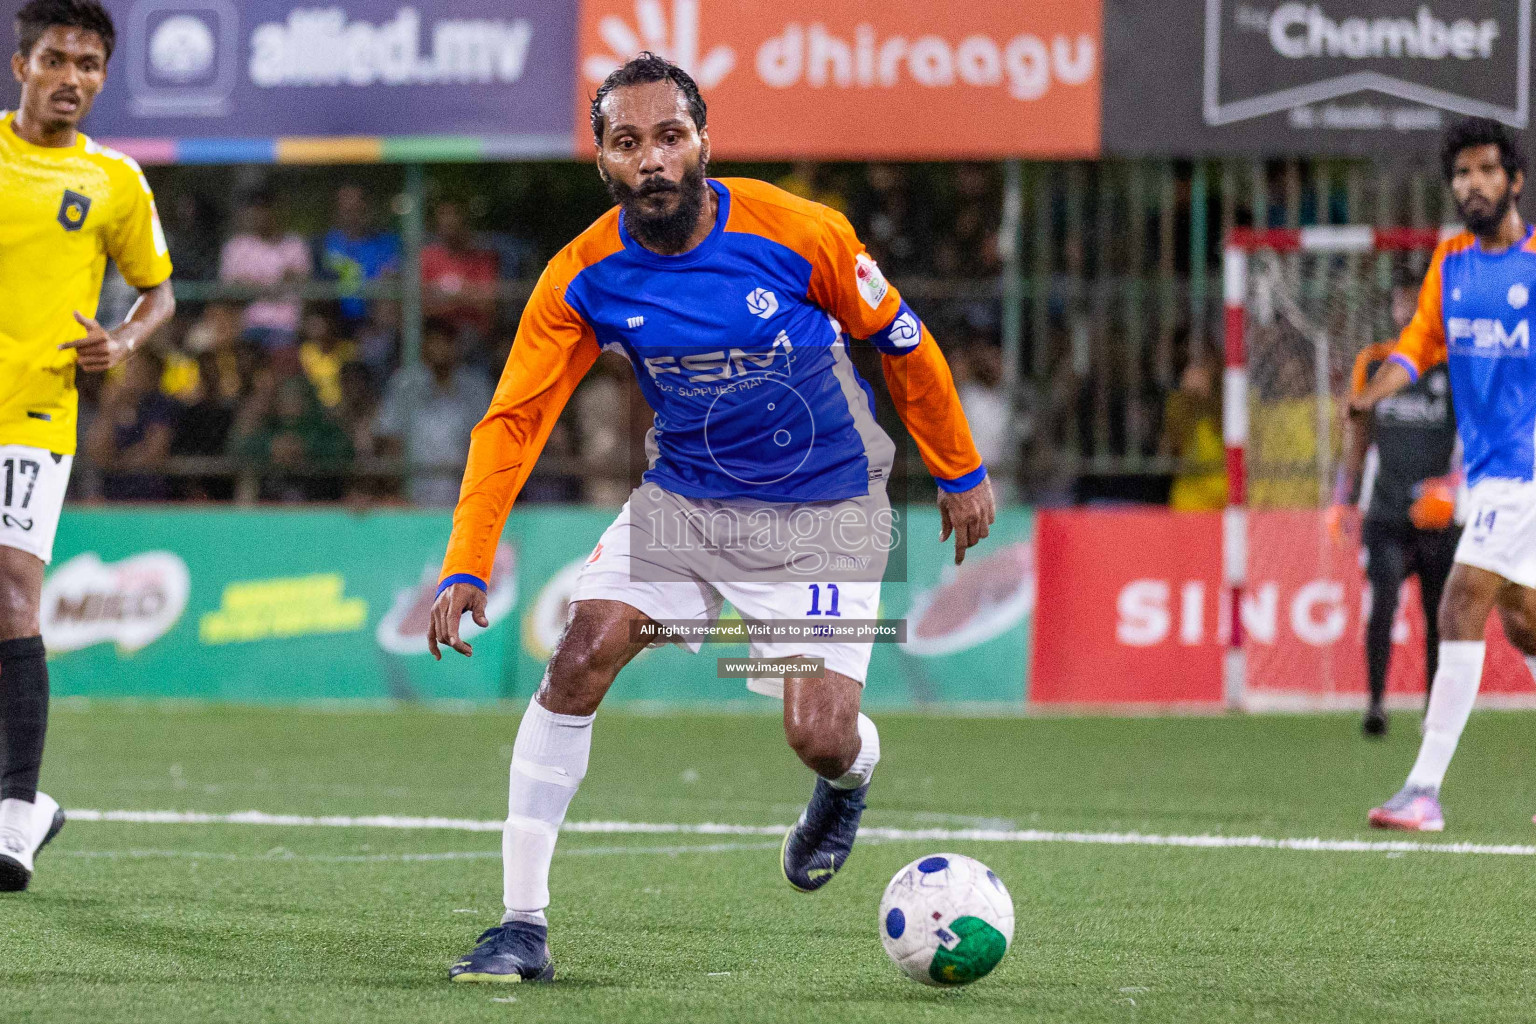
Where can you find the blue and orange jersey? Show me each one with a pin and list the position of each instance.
(740, 347)
(1474, 314)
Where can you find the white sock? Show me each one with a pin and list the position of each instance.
(1450, 702)
(864, 764)
(549, 761)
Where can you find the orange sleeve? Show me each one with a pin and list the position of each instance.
(1360, 375)
(929, 407)
(847, 283)
(1422, 343)
(553, 350)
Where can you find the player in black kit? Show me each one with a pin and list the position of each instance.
(1397, 466)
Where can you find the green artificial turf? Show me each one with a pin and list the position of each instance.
(244, 923)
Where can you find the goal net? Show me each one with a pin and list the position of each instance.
(1300, 306)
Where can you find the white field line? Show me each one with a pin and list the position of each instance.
(970, 835)
(403, 858)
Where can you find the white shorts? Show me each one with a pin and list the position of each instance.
(1500, 534)
(32, 485)
(636, 562)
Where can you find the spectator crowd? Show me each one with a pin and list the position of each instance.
(281, 379)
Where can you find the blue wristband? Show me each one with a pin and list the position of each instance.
(963, 483)
(461, 577)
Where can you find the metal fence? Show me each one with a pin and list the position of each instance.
(1109, 281)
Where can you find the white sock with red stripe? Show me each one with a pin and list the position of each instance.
(1450, 704)
(549, 760)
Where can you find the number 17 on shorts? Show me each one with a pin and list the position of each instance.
(32, 486)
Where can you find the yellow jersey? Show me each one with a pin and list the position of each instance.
(65, 210)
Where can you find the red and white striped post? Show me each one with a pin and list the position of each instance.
(1234, 431)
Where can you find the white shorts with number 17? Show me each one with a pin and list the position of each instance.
(32, 485)
(1500, 535)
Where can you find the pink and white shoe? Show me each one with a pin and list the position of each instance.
(1413, 809)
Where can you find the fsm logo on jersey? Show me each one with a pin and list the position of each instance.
(1487, 337)
(808, 78)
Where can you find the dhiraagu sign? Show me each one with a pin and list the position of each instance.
(298, 605)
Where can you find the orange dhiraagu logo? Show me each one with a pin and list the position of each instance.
(283, 608)
(906, 78)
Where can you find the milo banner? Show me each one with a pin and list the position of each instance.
(1270, 78)
(284, 606)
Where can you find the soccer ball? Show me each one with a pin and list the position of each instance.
(946, 919)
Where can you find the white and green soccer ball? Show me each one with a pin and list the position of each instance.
(946, 919)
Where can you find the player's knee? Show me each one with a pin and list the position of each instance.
(583, 667)
(18, 610)
(824, 751)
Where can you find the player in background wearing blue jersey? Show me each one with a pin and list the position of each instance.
(733, 302)
(1474, 314)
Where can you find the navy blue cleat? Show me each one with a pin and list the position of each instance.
(507, 954)
(818, 845)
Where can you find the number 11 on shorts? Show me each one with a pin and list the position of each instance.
(816, 599)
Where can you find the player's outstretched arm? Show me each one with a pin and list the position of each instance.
(1389, 380)
(553, 350)
(1420, 346)
(1341, 513)
(448, 610)
(846, 282)
(102, 349)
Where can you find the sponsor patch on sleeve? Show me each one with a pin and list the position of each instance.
(872, 285)
(903, 334)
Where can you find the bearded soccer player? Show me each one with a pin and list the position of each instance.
(733, 302)
(66, 204)
(1474, 315)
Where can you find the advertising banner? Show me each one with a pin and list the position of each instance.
(290, 605)
(906, 79)
(1131, 613)
(1360, 77)
(1094, 644)
(362, 69)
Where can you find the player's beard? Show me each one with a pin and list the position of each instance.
(1480, 223)
(665, 233)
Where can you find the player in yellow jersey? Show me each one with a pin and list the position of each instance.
(66, 204)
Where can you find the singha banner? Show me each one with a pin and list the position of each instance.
(1359, 77)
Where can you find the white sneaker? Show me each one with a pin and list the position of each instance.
(25, 828)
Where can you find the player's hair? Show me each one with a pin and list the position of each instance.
(1481, 131)
(38, 16)
(644, 68)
